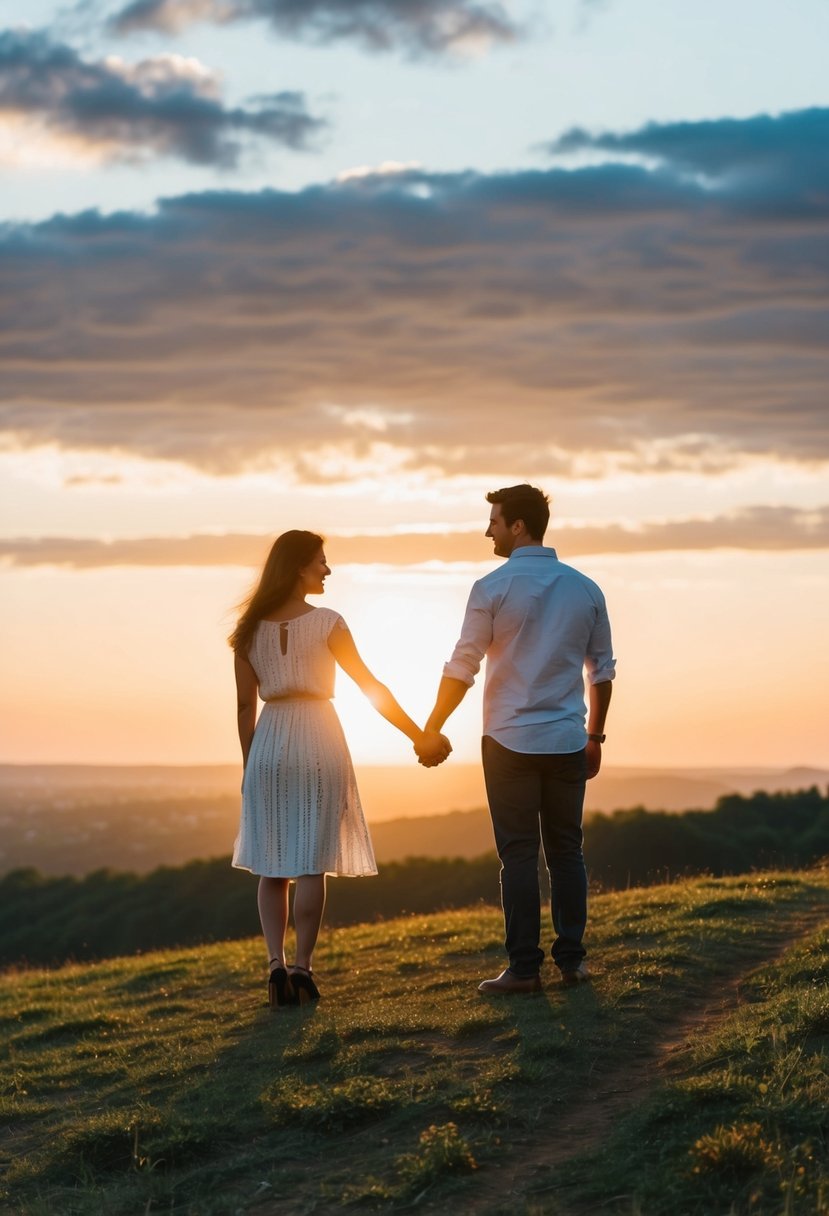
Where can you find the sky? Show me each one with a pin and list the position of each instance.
(347, 265)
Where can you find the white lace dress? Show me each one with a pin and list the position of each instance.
(301, 811)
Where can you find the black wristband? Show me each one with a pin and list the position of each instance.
(597, 738)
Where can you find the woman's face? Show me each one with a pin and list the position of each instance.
(312, 577)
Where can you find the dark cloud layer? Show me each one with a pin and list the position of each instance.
(417, 27)
(527, 320)
(166, 106)
(758, 528)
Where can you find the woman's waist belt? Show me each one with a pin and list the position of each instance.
(295, 696)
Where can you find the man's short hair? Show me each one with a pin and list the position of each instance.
(526, 503)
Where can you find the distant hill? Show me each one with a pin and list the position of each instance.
(468, 833)
(72, 819)
(698, 789)
(455, 834)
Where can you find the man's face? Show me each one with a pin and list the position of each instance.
(500, 532)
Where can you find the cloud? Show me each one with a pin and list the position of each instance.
(757, 528)
(761, 154)
(164, 106)
(537, 320)
(416, 27)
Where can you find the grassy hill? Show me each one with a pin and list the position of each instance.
(690, 1079)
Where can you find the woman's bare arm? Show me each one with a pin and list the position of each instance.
(247, 690)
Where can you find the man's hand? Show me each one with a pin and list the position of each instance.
(432, 749)
(593, 755)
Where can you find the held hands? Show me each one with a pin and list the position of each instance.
(432, 748)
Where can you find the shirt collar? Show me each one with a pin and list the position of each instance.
(533, 551)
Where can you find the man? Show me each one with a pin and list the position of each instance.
(541, 626)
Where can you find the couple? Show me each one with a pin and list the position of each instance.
(540, 624)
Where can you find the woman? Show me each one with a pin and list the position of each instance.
(301, 814)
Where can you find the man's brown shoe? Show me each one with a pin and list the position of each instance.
(575, 975)
(508, 984)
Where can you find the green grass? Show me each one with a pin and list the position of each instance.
(162, 1083)
(743, 1125)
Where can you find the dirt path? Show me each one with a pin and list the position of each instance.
(528, 1173)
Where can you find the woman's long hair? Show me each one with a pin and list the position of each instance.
(289, 553)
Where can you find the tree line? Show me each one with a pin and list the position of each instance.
(47, 920)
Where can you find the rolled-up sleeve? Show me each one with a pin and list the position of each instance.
(476, 636)
(599, 662)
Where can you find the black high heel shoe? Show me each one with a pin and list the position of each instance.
(280, 989)
(303, 985)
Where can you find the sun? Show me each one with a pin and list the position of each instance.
(405, 624)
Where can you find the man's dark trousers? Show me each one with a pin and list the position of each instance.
(535, 799)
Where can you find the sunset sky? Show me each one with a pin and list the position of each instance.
(349, 264)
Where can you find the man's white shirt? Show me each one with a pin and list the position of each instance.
(543, 627)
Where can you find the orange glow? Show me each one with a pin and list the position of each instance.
(718, 662)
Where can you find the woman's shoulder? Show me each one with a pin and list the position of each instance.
(330, 619)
